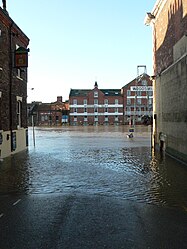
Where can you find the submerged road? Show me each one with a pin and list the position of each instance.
(91, 187)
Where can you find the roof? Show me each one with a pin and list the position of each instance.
(84, 92)
(79, 92)
(142, 76)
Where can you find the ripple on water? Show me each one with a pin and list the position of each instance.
(89, 163)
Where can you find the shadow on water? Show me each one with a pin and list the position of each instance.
(95, 161)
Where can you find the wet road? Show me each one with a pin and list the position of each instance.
(104, 179)
(95, 160)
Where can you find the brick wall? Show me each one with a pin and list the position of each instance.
(11, 85)
(170, 25)
(170, 91)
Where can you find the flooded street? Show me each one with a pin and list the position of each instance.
(98, 161)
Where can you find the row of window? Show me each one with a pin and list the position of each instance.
(96, 109)
(140, 93)
(95, 101)
(48, 118)
(138, 109)
(95, 118)
(139, 101)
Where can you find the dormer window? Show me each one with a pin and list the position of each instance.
(95, 94)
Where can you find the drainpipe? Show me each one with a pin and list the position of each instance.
(10, 82)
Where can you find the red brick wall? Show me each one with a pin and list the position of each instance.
(11, 34)
(170, 25)
(101, 115)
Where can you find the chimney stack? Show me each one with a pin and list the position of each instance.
(59, 98)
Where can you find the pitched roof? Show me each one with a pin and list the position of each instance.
(84, 92)
(141, 76)
(79, 92)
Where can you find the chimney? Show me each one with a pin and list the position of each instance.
(59, 98)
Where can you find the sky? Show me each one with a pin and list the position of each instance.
(74, 43)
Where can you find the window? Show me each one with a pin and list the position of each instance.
(139, 101)
(138, 109)
(144, 82)
(128, 101)
(18, 113)
(106, 109)
(85, 109)
(75, 110)
(116, 101)
(106, 118)
(150, 93)
(95, 109)
(75, 101)
(19, 73)
(85, 101)
(95, 94)
(75, 118)
(150, 101)
(106, 101)
(116, 109)
(139, 93)
(85, 118)
(96, 118)
(116, 118)
(128, 93)
(95, 101)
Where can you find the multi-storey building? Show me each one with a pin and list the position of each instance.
(95, 106)
(169, 23)
(48, 114)
(13, 86)
(138, 100)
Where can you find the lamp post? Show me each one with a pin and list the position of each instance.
(32, 122)
(10, 80)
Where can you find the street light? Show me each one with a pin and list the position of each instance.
(32, 120)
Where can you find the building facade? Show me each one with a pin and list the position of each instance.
(169, 22)
(138, 100)
(96, 106)
(48, 114)
(13, 87)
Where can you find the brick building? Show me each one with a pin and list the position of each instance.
(13, 86)
(169, 22)
(95, 106)
(48, 114)
(138, 100)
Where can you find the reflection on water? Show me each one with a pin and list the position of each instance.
(97, 160)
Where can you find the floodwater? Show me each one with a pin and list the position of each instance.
(95, 160)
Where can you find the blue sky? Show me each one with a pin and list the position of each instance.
(74, 43)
